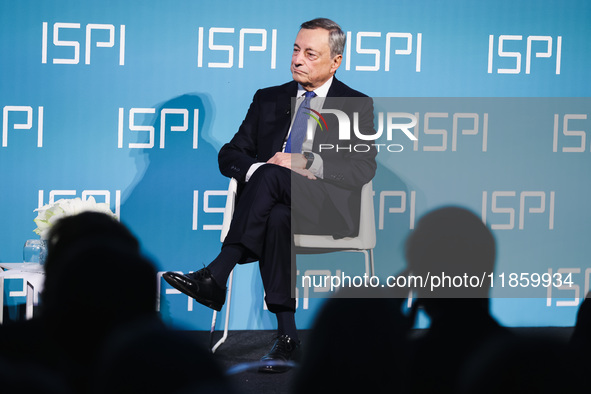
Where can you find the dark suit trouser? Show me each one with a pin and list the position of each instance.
(264, 217)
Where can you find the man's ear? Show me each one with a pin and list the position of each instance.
(336, 62)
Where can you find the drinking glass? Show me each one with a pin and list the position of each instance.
(34, 251)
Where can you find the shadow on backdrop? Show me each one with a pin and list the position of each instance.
(164, 205)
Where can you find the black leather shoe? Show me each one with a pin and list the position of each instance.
(279, 358)
(200, 285)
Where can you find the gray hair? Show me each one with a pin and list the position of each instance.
(336, 38)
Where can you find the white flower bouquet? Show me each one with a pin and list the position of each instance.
(51, 213)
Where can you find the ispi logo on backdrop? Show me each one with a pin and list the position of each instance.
(68, 51)
(574, 133)
(511, 203)
(22, 118)
(172, 119)
(225, 52)
(395, 43)
(106, 196)
(514, 42)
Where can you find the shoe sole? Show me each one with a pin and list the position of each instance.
(203, 301)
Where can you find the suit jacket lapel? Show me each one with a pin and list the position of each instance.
(284, 110)
(323, 136)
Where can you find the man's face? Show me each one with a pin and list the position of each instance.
(311, 63)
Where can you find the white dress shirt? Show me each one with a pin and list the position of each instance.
(317, 167)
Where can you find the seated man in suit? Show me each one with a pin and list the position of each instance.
(288, 184)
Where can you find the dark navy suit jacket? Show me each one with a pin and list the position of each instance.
(265, 128)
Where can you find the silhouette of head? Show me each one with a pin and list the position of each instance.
(454, 244)
(83, 229)
(86, 254)
(355, 344)
(88, 292)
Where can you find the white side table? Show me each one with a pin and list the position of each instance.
(33, 276)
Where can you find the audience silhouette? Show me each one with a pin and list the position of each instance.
(146, 357)
(581, 336)
(450, 241)
(357, 344)
(523, 363)
(580, 340)
(368, 344)
(83, 309)
(93, 336)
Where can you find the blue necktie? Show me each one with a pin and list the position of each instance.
(299, 127)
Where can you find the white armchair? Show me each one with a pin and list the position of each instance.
(364, 243)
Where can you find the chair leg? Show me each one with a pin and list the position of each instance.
(212, 329)
(227, 322)
(29, 302)
(367, 263)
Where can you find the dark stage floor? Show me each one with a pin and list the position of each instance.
(243, 347)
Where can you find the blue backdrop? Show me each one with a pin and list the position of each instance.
(131, 101)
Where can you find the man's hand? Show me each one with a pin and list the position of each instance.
(294, 161)
(304, 172)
